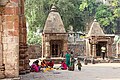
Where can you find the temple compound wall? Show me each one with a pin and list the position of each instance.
(34, 51)
(13, 58)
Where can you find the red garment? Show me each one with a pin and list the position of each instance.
(51, 64)
(64, 66)
(35, 68)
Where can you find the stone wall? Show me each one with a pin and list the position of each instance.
(77, 49)
(34, 51)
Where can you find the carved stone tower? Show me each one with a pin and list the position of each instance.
(96, 39)
(54, 38)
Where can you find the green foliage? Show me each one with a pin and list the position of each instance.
(117, 13)
(34, 38)
(69, 11)
(106, 15)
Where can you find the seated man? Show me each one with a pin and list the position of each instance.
(51, 64)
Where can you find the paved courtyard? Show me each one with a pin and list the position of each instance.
(101, 71)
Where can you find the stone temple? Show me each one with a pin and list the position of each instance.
(54, 37)
(96, 38)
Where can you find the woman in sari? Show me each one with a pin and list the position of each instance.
(67, 56)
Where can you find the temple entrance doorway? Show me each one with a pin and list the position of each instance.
(56, 46)
(99, 46)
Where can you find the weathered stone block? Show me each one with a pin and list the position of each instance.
(9, 18)
(5, 47)
(11, 73)
(2, 74)
(16, 33)
(1, 27)
(14, 48)
(12, 57)
(13, 33)
(9, 25)
(16, 25)
(9, 10)
(11, 39)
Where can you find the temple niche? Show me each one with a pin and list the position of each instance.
(54, 37)
(96, 39)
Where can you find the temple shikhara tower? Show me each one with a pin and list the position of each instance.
(96, 39)
(54, 37)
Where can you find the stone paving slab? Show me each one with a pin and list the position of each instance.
(33, 76)
(102, 71)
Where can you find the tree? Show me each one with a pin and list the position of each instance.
(70, 14)
(116, 13)
(105, 18)
(105, 14)
(88, 8)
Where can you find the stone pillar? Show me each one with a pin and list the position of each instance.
(65, 47)
(10, 39)
(93, 50)
(47, 53)
(2, 67)
(109, 47)
(43, 45)
(109, 50)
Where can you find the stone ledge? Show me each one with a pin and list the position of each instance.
(11, 78)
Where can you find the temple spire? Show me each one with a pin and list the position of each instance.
(54, 23)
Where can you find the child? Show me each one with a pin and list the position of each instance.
(79, 65)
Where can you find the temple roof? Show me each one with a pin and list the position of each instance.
(95, 30)
(54, 22)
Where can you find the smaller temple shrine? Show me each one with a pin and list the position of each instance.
(54, 37)
(97, 40)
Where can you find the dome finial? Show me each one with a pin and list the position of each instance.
(53, 8)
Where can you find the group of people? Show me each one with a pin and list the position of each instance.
(36, 67)
(68, 63)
